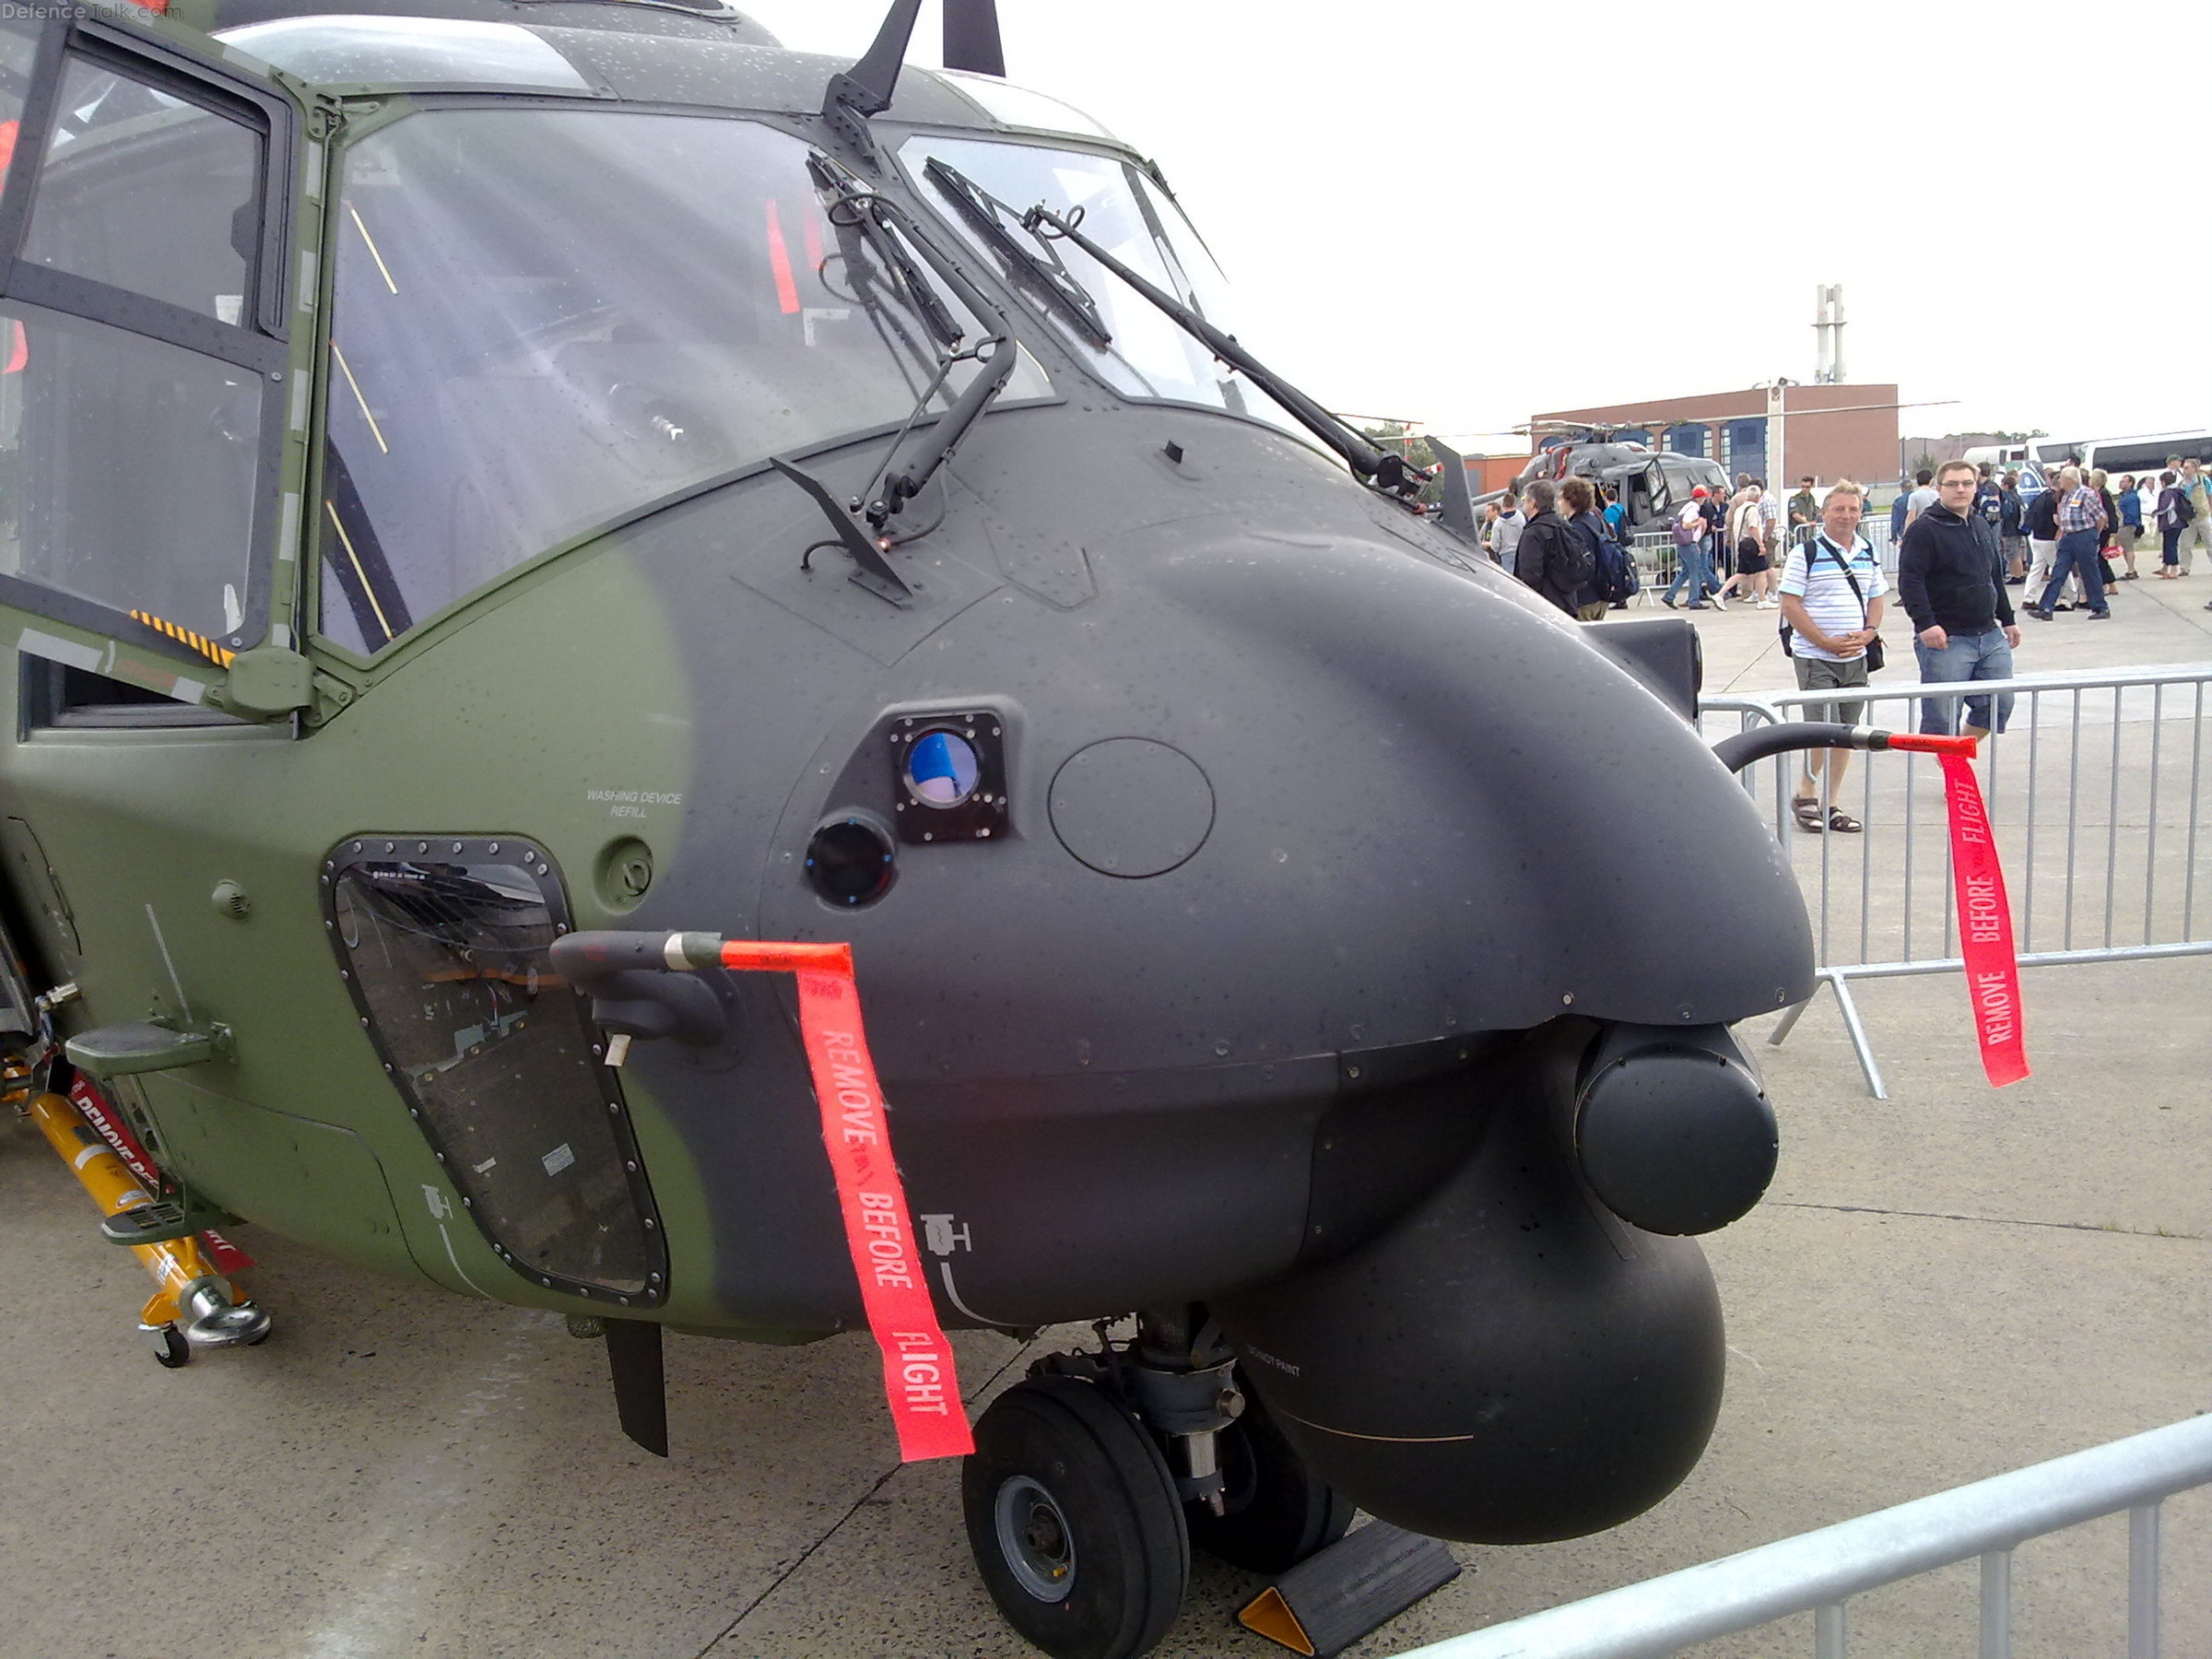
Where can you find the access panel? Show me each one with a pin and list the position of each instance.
(443, 941)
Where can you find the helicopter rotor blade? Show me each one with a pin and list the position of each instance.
(971, 40)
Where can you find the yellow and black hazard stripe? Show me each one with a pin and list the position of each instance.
(184, 636)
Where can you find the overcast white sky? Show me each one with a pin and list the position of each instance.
(1461, 213)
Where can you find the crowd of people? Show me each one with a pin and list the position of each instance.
(1569, 541)
(2073, 535)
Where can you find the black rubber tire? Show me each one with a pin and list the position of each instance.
(1277, 1511)
(1110, 1511)
(173, 1351)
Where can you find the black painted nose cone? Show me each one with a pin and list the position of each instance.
(1675, 1136)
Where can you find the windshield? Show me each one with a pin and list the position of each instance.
(545, 318)
(1129, 216)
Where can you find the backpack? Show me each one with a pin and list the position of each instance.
(2184, 510)
(1579, 564)
(1617, 578)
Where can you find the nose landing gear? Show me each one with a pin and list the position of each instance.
(1093, 1477)
(1075, 1521)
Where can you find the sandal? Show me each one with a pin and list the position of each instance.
(1807, 811)
(1842, 822)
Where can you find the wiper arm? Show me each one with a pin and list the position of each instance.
(849, 212)
(886, 224)
(1390, 472)
(1053, 281)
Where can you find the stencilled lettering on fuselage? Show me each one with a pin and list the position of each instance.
(632, 803)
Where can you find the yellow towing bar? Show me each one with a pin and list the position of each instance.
(194, 1304)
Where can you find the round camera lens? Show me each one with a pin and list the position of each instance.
(849, 862)
(942, 769)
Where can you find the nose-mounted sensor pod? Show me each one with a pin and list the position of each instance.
(1671, 1128)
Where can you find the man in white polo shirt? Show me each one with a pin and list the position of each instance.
(1831, 627)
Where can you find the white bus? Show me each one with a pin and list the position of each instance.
(2146, 452)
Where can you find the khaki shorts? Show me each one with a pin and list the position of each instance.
(1817, 674)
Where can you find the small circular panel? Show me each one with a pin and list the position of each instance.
(1131, 807)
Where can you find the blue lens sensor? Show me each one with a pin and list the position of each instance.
(942, 769)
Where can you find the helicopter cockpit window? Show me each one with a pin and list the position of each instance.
(1133, 218)
(147, 192)
(547, 318)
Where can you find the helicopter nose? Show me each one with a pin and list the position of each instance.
(1490, 796)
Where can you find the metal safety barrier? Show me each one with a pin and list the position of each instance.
(1820, 1571)
(1653, 551)
(2094, 791)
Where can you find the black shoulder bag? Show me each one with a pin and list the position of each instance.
(1874, 656)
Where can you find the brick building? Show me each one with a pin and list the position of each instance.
(1830, 431)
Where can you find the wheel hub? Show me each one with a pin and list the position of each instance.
(1034, 1539)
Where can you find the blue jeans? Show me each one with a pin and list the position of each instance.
(1694, 570)
(2077, 553)
(1983, 656)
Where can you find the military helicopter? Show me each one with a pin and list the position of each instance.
(1650, 483)
(505, 497)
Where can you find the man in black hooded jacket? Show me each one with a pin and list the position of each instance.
(1549, 556)
(1950, 579)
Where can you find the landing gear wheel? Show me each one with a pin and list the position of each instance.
(1276, 1511)
(1075, 1521)
(171, 1349)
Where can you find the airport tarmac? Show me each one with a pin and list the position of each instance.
(1940, 1286)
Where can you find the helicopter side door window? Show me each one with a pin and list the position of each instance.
(176, 220)
(142, 366)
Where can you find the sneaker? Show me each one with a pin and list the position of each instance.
(1719, 603)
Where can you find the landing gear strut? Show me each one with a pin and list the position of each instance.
(1092, 1478)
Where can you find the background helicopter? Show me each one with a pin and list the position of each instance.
(618, 480)
(1653, 484)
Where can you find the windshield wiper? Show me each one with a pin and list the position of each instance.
(1051, 280)
(1385, 470)
(848, 215)
(902, 475)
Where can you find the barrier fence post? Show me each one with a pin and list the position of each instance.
(1831, 1631)
(2143, 1581)
(1996, 1605)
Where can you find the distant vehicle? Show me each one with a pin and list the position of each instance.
(1651, 483)
(2029, 452)
(2116, 455)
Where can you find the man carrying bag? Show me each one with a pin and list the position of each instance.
(1832, 596)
